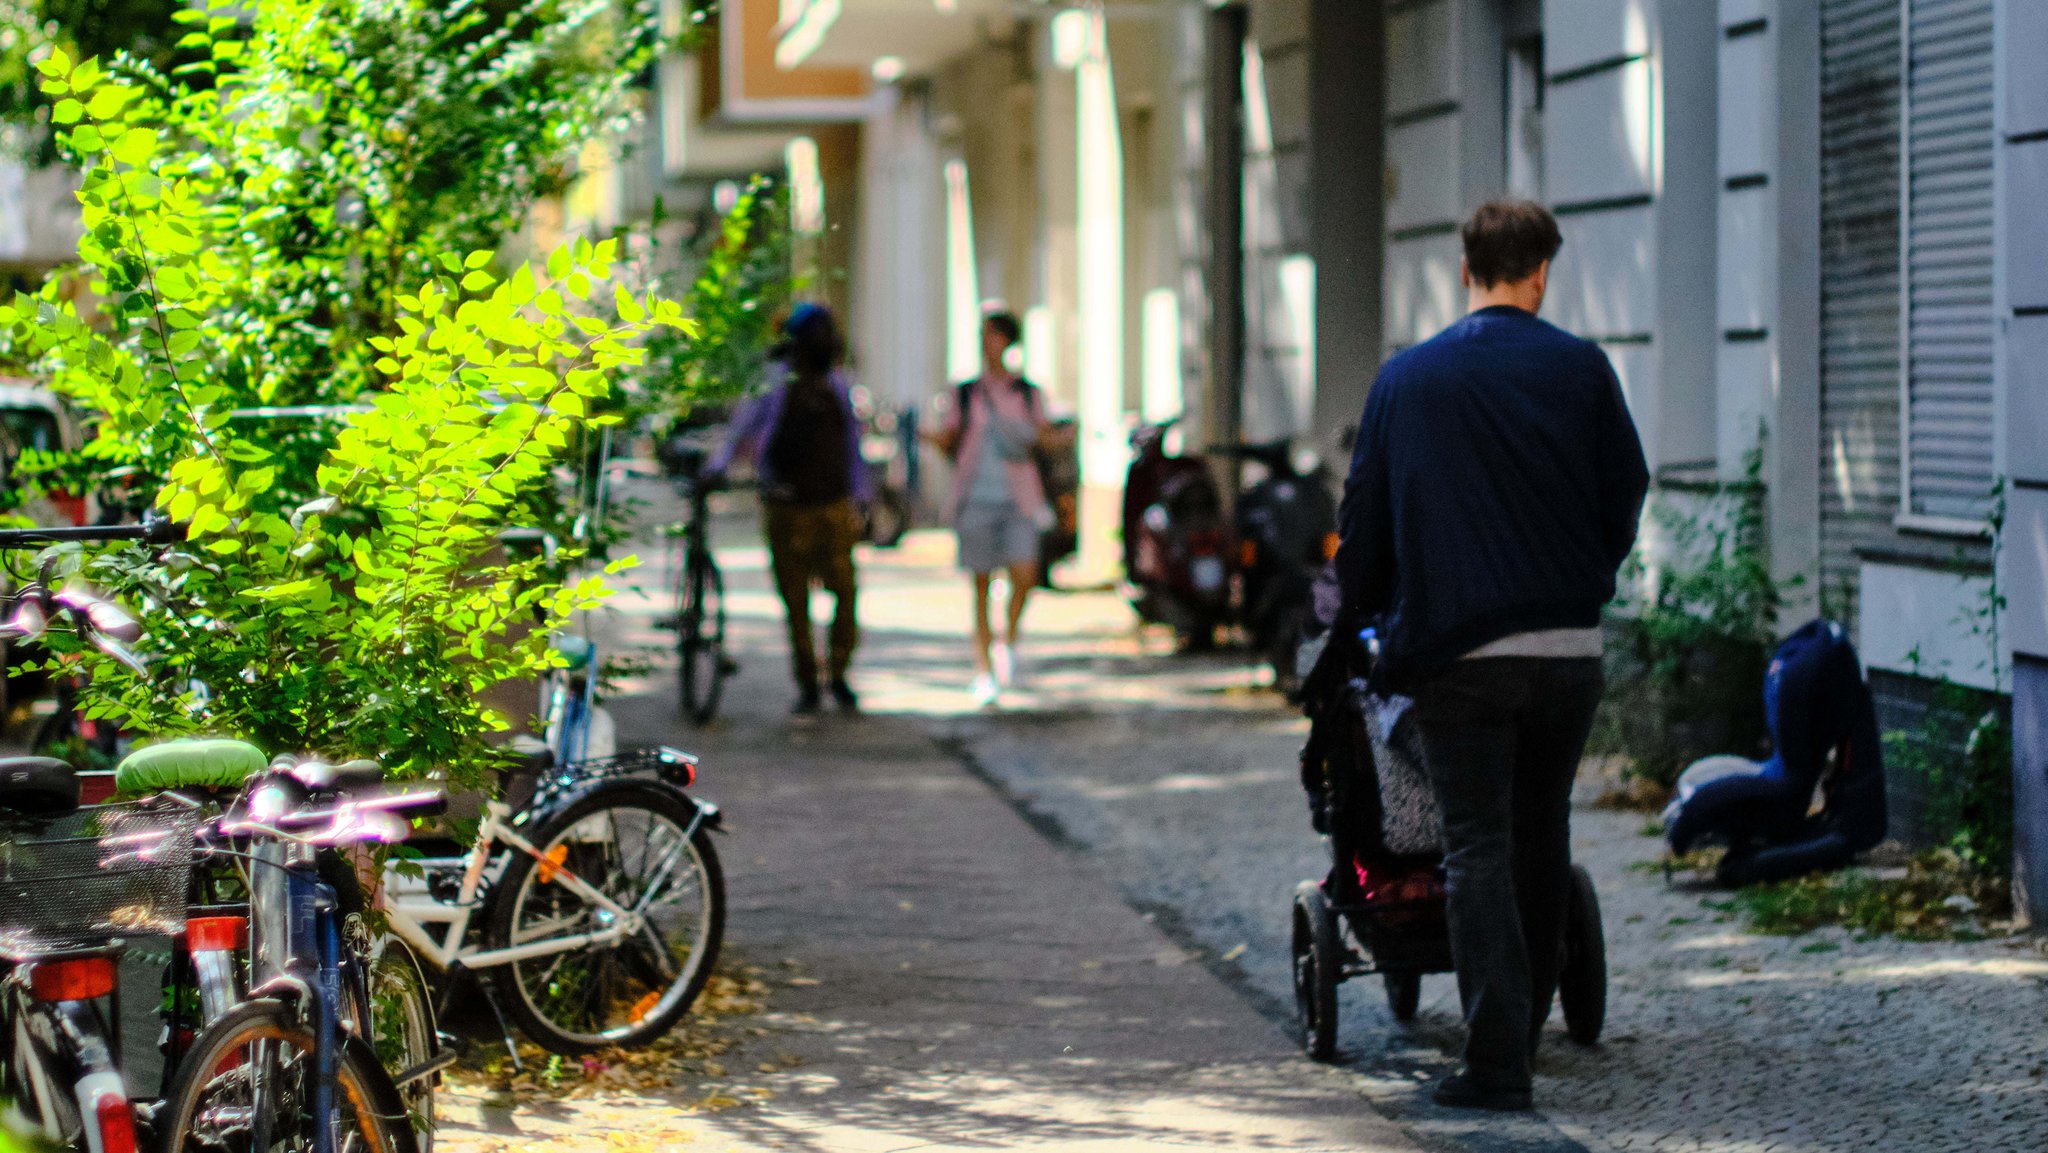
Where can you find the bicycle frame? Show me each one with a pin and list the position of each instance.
(410, 914)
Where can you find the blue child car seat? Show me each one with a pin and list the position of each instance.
(1816, 704)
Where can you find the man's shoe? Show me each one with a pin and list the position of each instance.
(843, 696)
(808, 702)
(1458, 1091)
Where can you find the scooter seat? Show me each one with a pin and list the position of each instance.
(38, 786)
(189, 763)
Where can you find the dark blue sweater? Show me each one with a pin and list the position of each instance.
(1494, 489)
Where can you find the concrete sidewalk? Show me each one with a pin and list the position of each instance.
(943, 976)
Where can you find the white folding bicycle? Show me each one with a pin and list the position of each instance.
(596, 909)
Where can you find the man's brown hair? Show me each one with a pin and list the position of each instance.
(1506, 240)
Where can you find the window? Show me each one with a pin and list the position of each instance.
(1948, 445)
(1525, 118)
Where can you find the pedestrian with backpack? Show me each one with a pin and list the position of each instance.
(804, 442)
(999, 509)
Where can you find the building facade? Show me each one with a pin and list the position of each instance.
(1792, 225)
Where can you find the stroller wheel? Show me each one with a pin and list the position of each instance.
(1404, 994)
(1582, 980)
(1318, 967)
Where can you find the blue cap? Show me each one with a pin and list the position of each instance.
(803, 316)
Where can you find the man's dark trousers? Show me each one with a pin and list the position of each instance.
(1502, 738)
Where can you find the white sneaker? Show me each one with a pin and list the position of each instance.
(1004, 658)
(984, 690)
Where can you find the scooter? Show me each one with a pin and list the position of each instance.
(1176, 540)
(1286, 532)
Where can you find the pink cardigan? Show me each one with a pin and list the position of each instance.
(1019, 402)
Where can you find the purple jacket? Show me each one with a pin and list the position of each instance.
(754, 423)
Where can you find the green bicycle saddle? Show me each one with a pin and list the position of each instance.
(189, 763)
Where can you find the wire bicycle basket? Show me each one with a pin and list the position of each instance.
(90, 876)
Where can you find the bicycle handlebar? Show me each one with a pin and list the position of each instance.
(154, 529)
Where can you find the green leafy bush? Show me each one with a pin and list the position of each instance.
(1686, 657)
(1960, 761)
(343, 589)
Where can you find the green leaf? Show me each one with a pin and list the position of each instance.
(108, 101)
(67, 111)
(477, 259)
(559, 263)
(57, 63)
(135, 147)
(629, 309)
(477, 281)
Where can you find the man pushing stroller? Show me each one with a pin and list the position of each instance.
(1494, 493)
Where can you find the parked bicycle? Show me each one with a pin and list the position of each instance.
(75, 883)
(292, 1066)
(698, 591)
(597, 909)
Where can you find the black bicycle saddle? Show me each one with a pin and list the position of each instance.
(37, 786)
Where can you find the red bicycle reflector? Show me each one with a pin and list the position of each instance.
(71, 979)
(116, 1122)
(213, 934)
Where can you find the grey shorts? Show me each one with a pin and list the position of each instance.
(994, 537)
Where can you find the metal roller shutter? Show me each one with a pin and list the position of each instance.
(1860, 187)
(1948, 238)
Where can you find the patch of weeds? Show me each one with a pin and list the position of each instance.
(1819, 947)
(1654, 827)
(1701, 863)
(1939, 899)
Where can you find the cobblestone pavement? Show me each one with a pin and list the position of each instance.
(1717, 1039)
(969, 980)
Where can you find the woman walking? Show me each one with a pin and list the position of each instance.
(999, 507)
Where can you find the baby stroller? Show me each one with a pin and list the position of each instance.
(1381, 908)
(1823, 726)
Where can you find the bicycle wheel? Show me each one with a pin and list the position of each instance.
(402, 1030)
(393, 993)
(246, 1086)
(700, 638)
(633, 842)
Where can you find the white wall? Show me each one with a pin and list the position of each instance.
(38, 215)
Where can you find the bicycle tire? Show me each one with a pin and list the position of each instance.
(215, 1066)
(403, 1030)
(700, 637)
(578, 838)
(393, 993)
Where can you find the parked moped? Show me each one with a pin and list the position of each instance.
(1286, 532)
(1176, 540)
